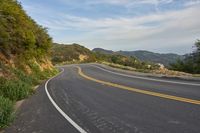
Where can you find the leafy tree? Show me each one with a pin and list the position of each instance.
(191, 63)
(19, 34)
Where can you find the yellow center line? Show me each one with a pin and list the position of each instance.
(171, 97)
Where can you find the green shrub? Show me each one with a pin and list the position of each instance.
(14, 89)
(6, 111)
(35, 68)
(21, 40)
(191, 62)
(23, 77)
(49, 73)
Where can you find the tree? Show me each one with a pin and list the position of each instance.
(191, 63)
(19, 34)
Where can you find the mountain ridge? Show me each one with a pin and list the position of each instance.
(144, 55)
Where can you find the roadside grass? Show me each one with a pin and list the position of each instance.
(168, 73)
(6, 111)
(14, 89)
(196, 75)
(17, 88)
(126, 67)
(71, 62)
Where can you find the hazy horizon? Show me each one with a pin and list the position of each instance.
(162, 26)
(122, 50)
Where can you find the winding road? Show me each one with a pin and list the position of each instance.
(91, 98)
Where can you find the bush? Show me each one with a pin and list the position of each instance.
(191, 62)
(14, 90)
(22, 40)
(23, 77)
(6, 111)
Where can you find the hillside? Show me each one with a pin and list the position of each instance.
(71, 53)
(103, 51)
(165, 59)
(118, 59)
(191, 62)
(22, 39)
(75, 53)
(24, 57)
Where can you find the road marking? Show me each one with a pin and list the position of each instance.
(60, 110)
(171, 97)
(159, 80)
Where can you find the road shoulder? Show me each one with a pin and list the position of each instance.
(37, 114)
(146, 74)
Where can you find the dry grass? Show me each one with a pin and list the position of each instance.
(164, 71)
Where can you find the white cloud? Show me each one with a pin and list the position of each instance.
(170, 29)
(129, 1)
(162, 31)
(192, 2)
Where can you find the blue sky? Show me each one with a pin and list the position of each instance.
(164, 26)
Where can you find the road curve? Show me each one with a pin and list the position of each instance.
(98, 107)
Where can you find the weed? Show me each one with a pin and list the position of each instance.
(6, 111)
(14, 89)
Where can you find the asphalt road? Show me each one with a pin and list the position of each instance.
(100, 103)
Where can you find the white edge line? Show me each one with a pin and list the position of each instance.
(81, 130)
(131, 76)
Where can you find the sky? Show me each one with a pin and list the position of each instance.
(164, 26)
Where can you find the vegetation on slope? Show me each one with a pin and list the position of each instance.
(145, 56)
(24, 52)
(103, 51)
(73, 53)
(142, 55)
(25, 48)
(191, 62)
(125, 61)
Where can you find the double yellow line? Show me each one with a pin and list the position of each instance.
(181, 99)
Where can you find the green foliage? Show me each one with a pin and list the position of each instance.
(17, 88)
(19, 33)
(22, 42)
(14, 89)
(191, 63)
(70, 53)
(22, 76)
(6, 111)
(125, 61)
(37, 74)
(145, 56)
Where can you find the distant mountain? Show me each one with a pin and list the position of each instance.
(104, 51)
(142, 55)
(75, 53)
